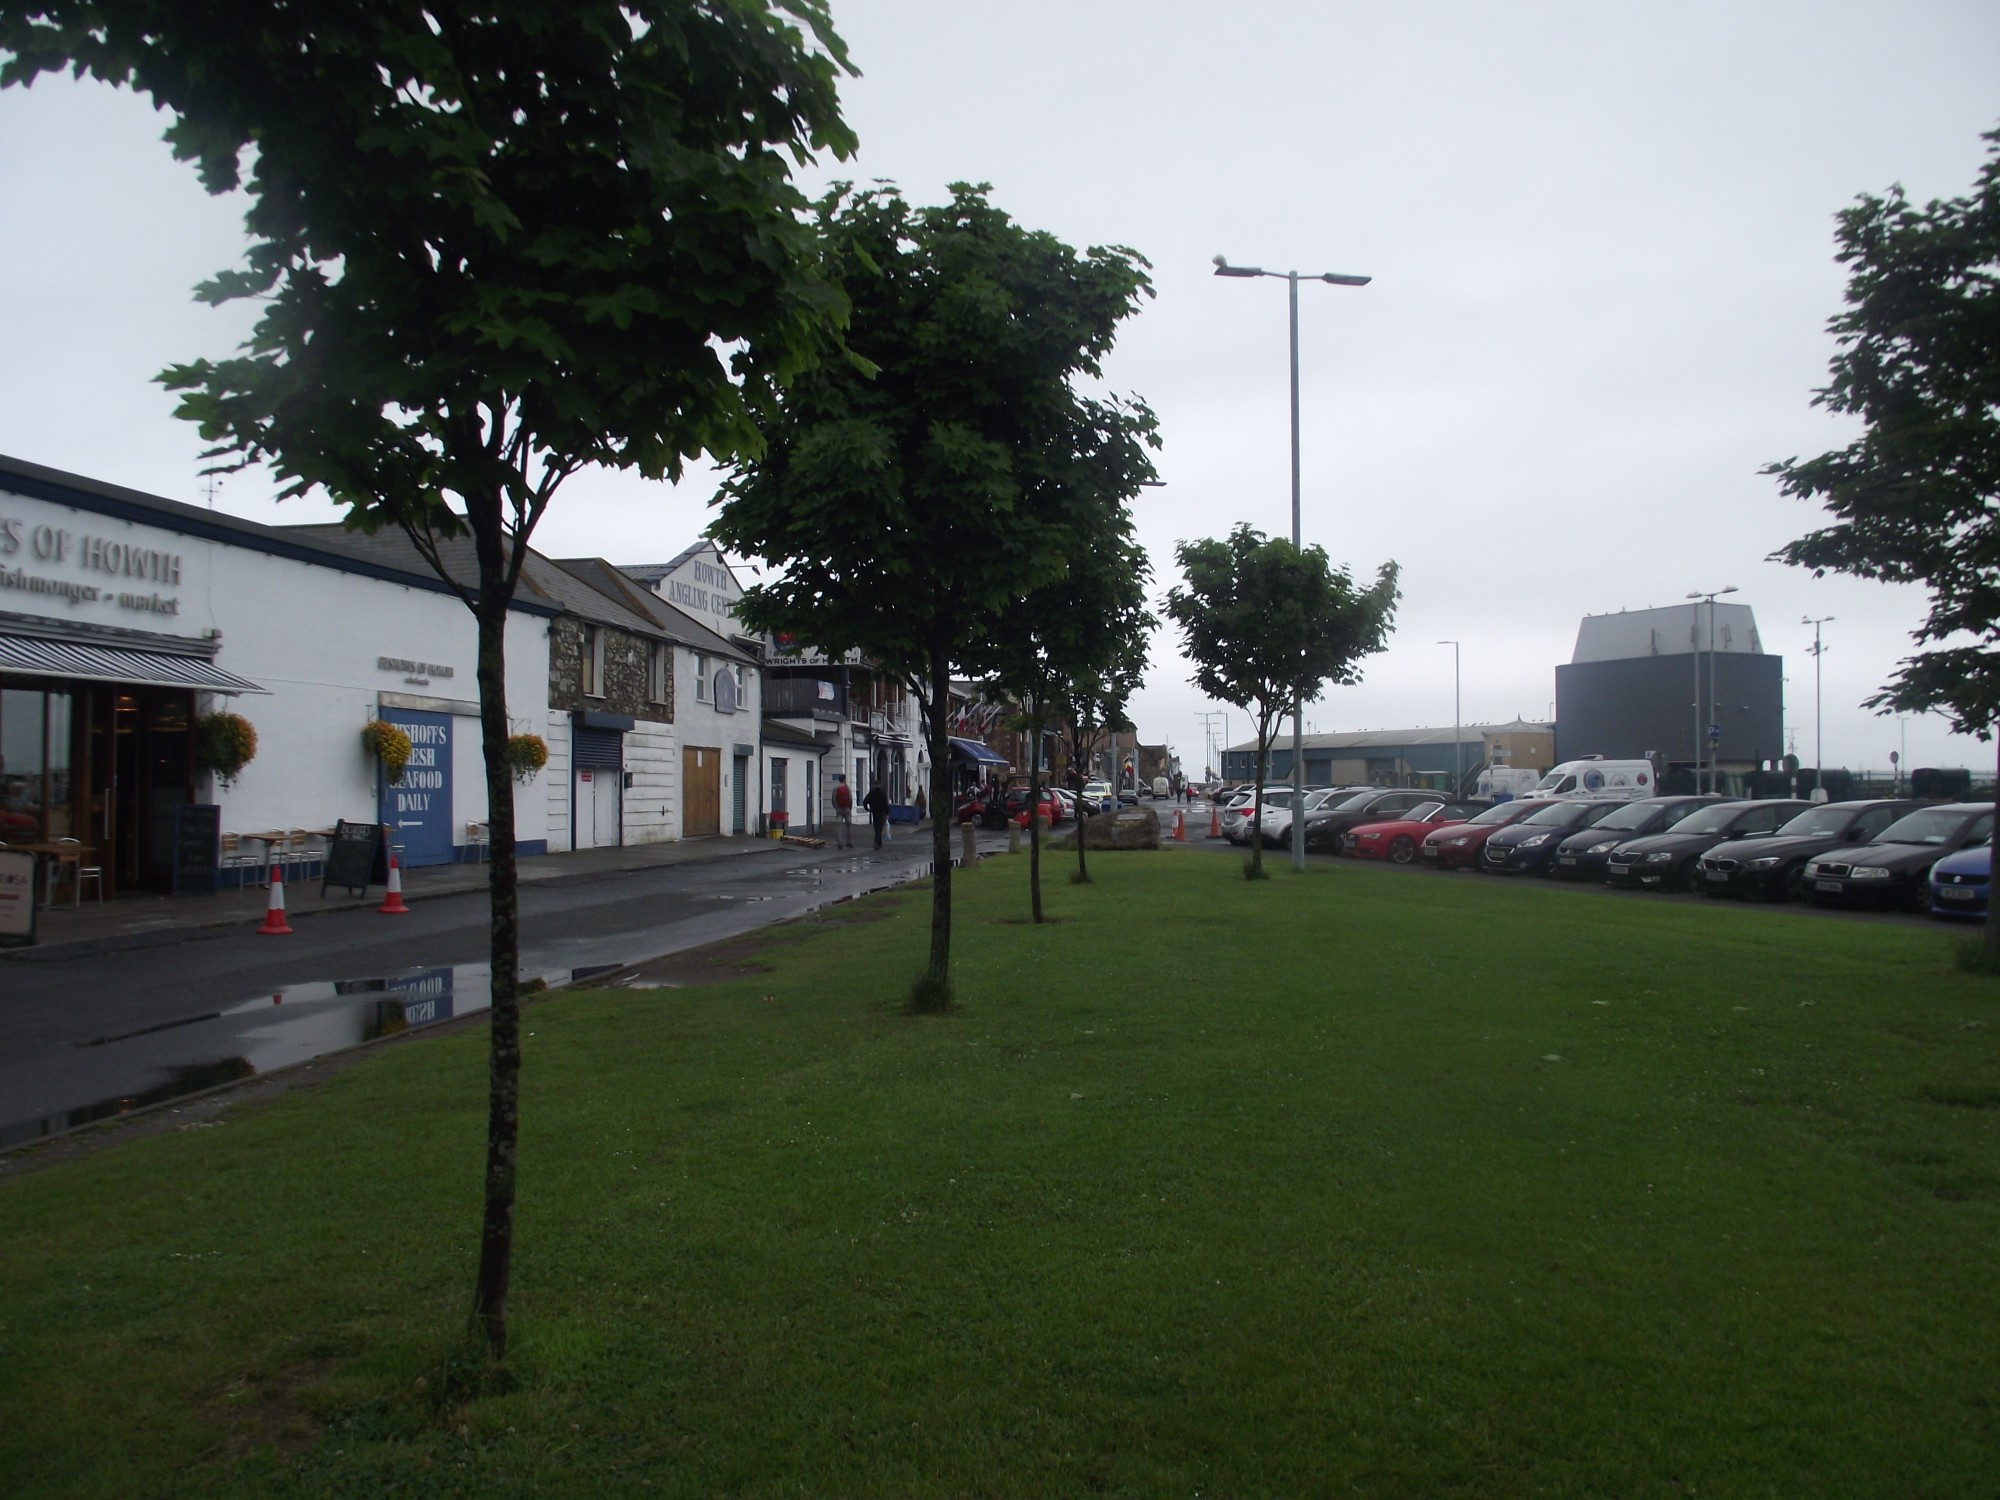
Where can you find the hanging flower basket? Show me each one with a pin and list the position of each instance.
(224, 743)
(389, 745)
(526, 755)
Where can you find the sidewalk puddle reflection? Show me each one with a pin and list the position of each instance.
(116, 1075)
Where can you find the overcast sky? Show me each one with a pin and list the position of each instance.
(1602, 243)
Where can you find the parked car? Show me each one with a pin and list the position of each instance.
(1582, 855)
(1278, 819)
(1893, 868)
(1666, 861)
(1095, 795)
(1017, 805)
(1397, 840)
(1775, 868)
(1236, 818)
(1527, 847)
(1959, 883)
(1457, 846)
(1326, 826)
(983, 807)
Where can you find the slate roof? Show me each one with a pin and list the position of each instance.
(541, 578)
(622, 586)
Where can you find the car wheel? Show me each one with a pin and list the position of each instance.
(1790, 884)
(1918, 897)
(1403, 849)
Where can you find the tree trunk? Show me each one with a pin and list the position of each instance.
(1035, 820)
(503, 1109)
(1257, 804)
(937, 976)
(1993, 919)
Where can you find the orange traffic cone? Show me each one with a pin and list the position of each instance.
(275, 924)
(1214, 820)
(392, 904)
(1180, 825)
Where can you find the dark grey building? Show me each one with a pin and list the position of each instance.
(1646, 682)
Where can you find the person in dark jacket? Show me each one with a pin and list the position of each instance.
(877, 803)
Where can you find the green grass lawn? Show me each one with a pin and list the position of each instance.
(1363, 1181)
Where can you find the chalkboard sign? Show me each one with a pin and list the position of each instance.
(197, 848)
(355, 857)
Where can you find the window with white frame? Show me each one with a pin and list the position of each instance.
(700, 678)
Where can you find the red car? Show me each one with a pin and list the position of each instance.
(1396, 840)
(1458, 845)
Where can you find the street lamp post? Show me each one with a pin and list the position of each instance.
(1715, 713)
(1457, 728)
(1819, 750)
(1292, 278)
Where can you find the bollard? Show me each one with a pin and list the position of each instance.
(967, 846)
(1013, 837)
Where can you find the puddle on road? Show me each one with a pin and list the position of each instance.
(117, 1075)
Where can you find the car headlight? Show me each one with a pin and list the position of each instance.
(1540, 838)
(1456, 842)
(1767, 862)
(1662, 858)
(1870, 872)
(1812, 868)
(1604, 848)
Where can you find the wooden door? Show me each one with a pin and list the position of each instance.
(701, 790)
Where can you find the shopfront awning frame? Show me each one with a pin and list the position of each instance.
(91, 661)
(977, 753)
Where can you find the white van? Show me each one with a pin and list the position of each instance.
(1598, 777)
(1505, 783)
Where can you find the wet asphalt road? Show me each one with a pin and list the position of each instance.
(95, 1030)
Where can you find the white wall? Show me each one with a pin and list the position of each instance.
(312, 635)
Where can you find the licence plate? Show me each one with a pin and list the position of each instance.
(1567, 859)
(1718, 876)
(1956, 893)
(1827, 885)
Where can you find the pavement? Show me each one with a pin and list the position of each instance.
(147, 920)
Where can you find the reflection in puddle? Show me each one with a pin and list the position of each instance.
(116, 1075)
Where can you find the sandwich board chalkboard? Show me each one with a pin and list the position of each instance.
(356, 857)
(17, 898)
(197, 848)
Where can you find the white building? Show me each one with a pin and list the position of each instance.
(123, 617)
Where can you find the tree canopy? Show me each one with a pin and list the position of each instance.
(908, 494)
(1069, 652)
(1916, 497)
(495, 241)
(1257, 615)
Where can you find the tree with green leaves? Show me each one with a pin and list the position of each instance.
(907, 496)
(1916, 497)
(495, 242)
(1091, 707)
(1258, 616)
(1056, 647)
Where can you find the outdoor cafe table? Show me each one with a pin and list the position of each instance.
(276, 839)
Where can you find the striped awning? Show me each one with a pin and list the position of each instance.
(96, 663)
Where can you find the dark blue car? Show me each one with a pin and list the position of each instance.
(1959, 884)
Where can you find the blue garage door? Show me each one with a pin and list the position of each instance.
(418, 807)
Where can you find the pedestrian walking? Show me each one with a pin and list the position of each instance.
(843, 813)
(877, 803)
